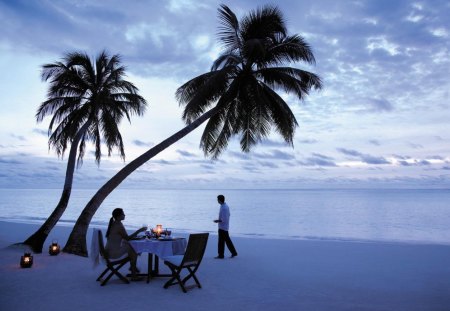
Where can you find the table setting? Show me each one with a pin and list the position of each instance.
(158, 243)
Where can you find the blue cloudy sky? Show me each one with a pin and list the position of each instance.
(381, 120)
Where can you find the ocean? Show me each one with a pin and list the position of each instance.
(388, 215)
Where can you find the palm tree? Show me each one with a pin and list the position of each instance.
(239, 92)
(87, 101)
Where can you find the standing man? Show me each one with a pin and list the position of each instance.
(224, 237)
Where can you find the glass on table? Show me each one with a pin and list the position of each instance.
(167, 232)
(146, 233)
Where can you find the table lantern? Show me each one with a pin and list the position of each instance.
(26, 261)
(158, 230)
(54, 248)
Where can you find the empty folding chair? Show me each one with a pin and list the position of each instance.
(190, 261)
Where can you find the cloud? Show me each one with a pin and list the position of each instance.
(378, 105)
(239, 155)
(163, 162)
(349, 152)
(150, 28)
(365, 158)
(186, 154)
(436, 157)
(375, 142)
(250, 168)
(18, 137)
(40, 132)
(275, 155)
(321, 156)
(307, 141)
(9, 161)
(318, 160)
(415, 163)
(397, 156)
(415, 146)
(141, 143)
(184, 5)
(52, 168)
(208, 166)
(267, 164)
(273, 143)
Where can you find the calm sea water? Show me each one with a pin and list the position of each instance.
(366, 215)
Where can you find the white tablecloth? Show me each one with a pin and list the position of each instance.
(160, 248)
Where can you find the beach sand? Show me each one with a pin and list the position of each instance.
(267, 275)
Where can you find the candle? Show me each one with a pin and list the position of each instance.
(158, 230)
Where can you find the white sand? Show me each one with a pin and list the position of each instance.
(267, 275)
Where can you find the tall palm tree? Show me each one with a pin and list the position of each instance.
(239, 92)
(87, 100)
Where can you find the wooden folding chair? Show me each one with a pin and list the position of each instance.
(190, 261)
(112, 266)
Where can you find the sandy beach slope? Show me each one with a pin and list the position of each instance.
(267, 275)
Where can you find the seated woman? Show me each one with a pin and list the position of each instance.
(117, 240)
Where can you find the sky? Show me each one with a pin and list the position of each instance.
(380, 121)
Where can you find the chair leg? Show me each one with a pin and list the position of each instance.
(192, 274)
(103, 273)
(172, 278)
(116, 272)
(175, 276)
(181, 284)
(107, 279)
(113, 271)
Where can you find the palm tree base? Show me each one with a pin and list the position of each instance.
(36, 241)
(76, 248)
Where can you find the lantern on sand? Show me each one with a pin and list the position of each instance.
(26, 261)
(54, 248)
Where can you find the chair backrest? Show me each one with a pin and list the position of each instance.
(195, 248)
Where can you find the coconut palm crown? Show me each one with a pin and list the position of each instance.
(83, 92)
(244, 79)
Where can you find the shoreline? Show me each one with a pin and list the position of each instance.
(268, 274)
(69, 224)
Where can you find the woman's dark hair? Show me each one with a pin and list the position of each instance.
(116, 213)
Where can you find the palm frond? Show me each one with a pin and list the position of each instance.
(220, 127)
(254, 118)
(217, 132)
(291, 80)
(290, 49)
(226, 60)
(200, 92)
(281, 114)
(228, 32)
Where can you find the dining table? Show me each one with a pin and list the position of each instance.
(158, 248)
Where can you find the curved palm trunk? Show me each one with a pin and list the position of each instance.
(37, 239)
(76, 244)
